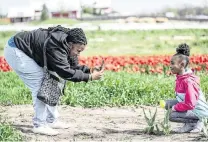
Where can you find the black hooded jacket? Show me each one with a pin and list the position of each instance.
(57, 53)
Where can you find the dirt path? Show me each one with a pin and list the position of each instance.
(100, 124)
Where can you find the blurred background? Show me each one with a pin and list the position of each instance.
(114, 27)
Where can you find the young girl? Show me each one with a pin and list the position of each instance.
(190, 106)
(24, 53)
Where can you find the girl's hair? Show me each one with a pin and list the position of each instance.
(183, 52)
(75, 35)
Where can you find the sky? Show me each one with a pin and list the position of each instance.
(151, 6)
(122, 6)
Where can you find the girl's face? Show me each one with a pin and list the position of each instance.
(176, 65)
(76, 49)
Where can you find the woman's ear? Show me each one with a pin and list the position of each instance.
(70, 44)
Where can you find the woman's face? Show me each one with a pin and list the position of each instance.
(76, 49)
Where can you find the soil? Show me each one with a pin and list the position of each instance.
(96, 124)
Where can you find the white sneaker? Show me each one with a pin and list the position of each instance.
(198, 127)
(58, 125)
(186, 128)
(45, 130)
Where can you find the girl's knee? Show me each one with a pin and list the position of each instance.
(167, 105)
(171, 117)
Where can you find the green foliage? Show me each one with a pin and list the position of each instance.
(7, 132)
(13, 90)
(152, 127)
(116, 89)
(119, 89)
(165, 124)
(88, 10)
(44, 14)
(134, 42)
(205, 127)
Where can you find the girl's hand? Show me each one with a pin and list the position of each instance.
(173, 109)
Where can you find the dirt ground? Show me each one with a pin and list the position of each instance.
(96, 124)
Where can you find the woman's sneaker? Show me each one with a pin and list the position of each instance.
(58, 125)
(45, 130)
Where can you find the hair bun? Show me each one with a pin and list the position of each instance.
(183, 49)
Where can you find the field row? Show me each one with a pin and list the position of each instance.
(115, 89)
(139, 64)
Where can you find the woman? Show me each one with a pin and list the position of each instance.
(24, 53)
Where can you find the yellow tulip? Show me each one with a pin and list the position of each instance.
(162, 103)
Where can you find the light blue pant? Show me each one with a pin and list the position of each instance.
(31, 74)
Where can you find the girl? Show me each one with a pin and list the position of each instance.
(190, 106)
(24, 53)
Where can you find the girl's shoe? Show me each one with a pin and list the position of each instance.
(198, 127)
(185, 129)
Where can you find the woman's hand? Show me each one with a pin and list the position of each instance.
(95, 69)
(96, 75)
(98, 68)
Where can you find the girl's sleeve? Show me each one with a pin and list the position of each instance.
(191, 97)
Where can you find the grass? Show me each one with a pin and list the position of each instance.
(67, 21)
(4, 36)
(143, 42)
(155, 42)
(4, 21)
(7, 132)
(117, 89)
(56, 21)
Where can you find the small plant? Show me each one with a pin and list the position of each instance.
(166, 128)
(7, 132)
(152, 125)
(205, 128)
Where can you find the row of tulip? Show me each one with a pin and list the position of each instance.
(141, 64)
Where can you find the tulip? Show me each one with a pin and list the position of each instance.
(162, 103)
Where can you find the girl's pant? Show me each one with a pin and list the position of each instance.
(180, 117)
(31, 74)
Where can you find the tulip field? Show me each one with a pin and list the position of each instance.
(136, 74)
(129, 70)
(141, 64)
(132, 76)
(133, 64)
